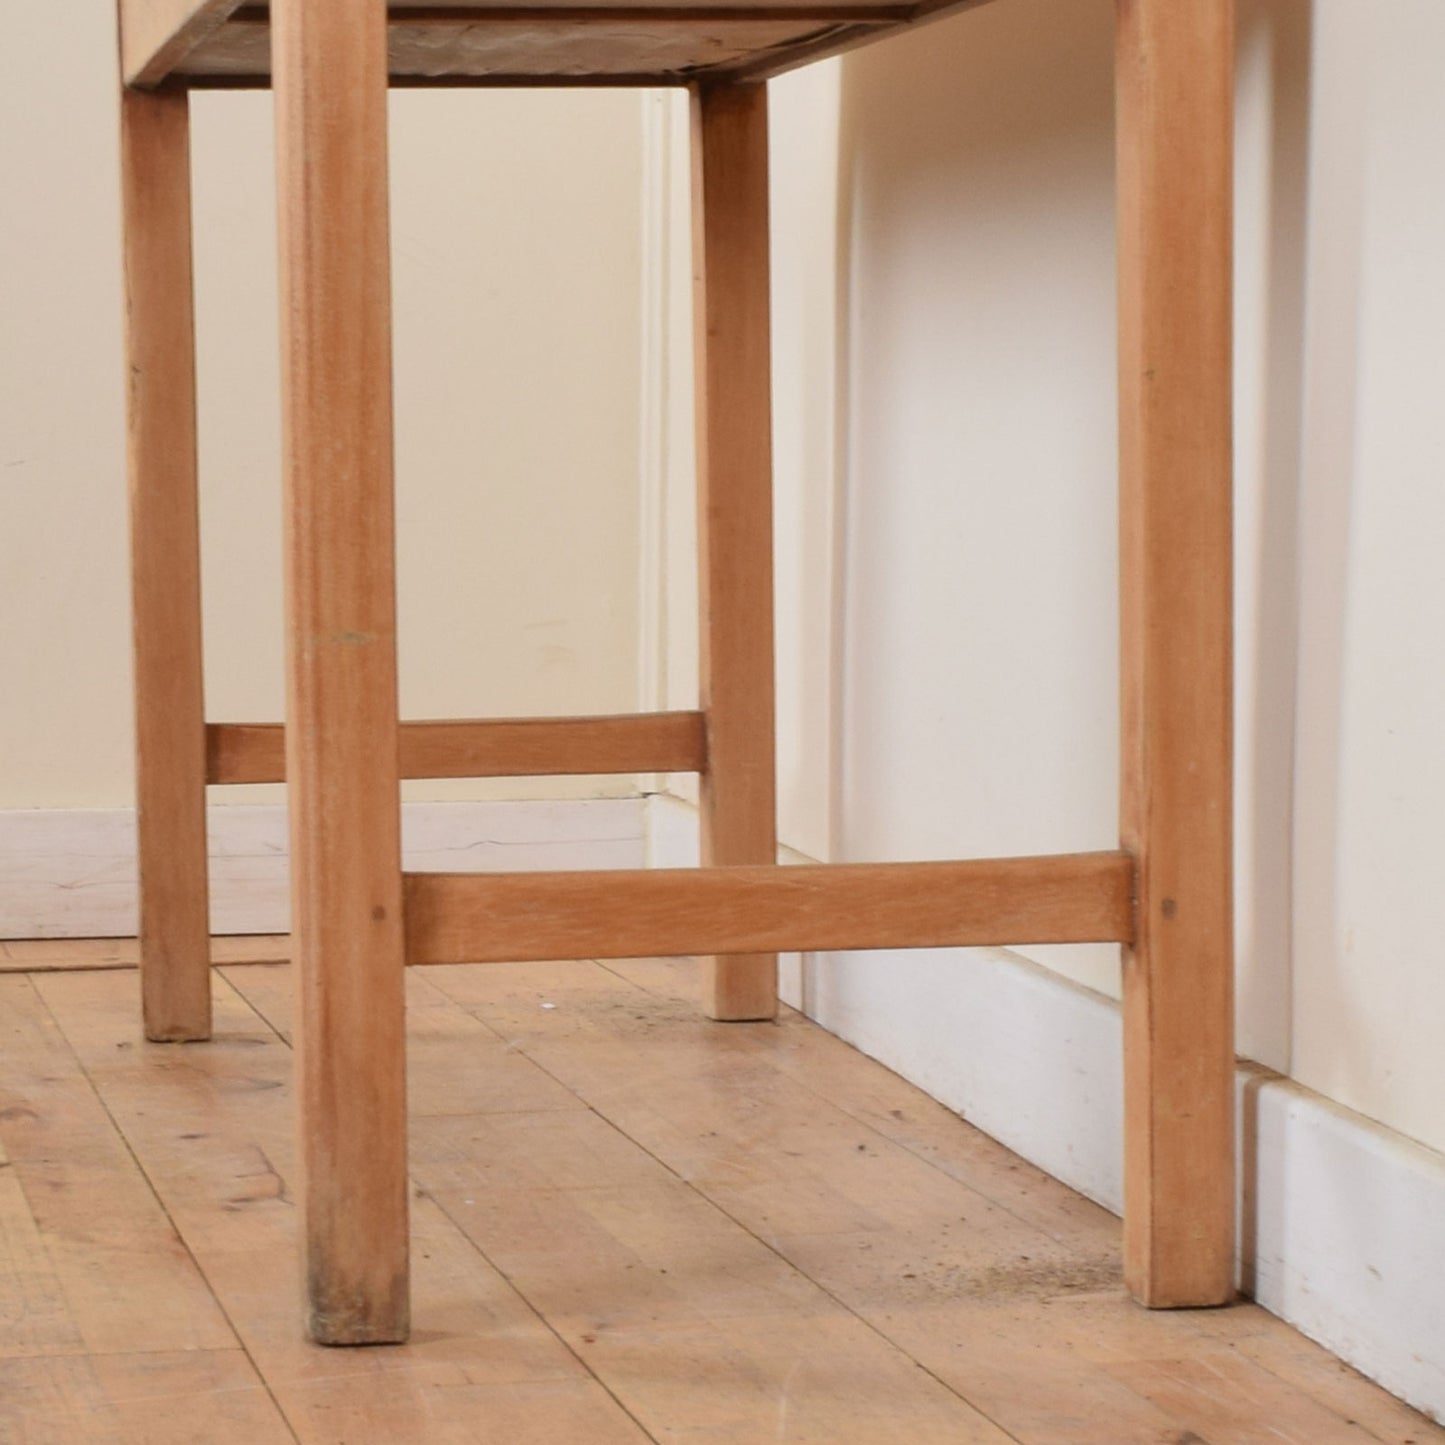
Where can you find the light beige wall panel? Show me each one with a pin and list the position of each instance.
(979, 658)
(976, 657)
(806, 352)
(517, 294)
(962, 384)
(518, 286)
(1369, 908)
(64, 634)
(238, 388)
(1271, 236)
(516, 222)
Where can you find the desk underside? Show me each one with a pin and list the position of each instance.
(225, 44)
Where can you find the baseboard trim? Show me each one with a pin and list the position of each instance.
(1342, 1221)
(71, 873)
(1342, 1224)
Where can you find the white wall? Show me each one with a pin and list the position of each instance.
(978, 651)
(946, 548)
(1369, 909)
(517, 233)
(807, 508)
(944, 354)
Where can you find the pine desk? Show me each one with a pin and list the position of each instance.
(1164, 894)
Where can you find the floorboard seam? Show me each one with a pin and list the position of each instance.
(537, 1314)
(160, 1204)
(777, 1254)
(423, 1192)
(1202, 1335)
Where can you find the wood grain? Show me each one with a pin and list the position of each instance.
(667, 742)
(165, 565)
(1175, 113)
(1000, 1282)
(171, 1398)
(341, 739)
(217, 1141)
(88, 1252)
(732, 371)
(842, 40)
(76, 955)
(157, 35)
(552, 42)
(482, 918)
(723, 1233)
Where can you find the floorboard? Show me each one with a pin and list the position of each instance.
(629, 1224)
(65, 955)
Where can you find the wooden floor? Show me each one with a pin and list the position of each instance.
(629, 1225)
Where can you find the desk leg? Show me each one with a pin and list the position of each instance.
(1175, 113)
(170, 730)
(341, 725)
(735, 520)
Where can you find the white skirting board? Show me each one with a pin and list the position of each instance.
(71, 873)
(1342, 1222)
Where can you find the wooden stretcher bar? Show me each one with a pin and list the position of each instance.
(664, 742)
(501, 917)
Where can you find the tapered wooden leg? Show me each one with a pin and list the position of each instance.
(170, 730)
(735, 476)
(1175, 109)
(341, 729)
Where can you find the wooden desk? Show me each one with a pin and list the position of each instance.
(228, 44)
(1165, 894)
